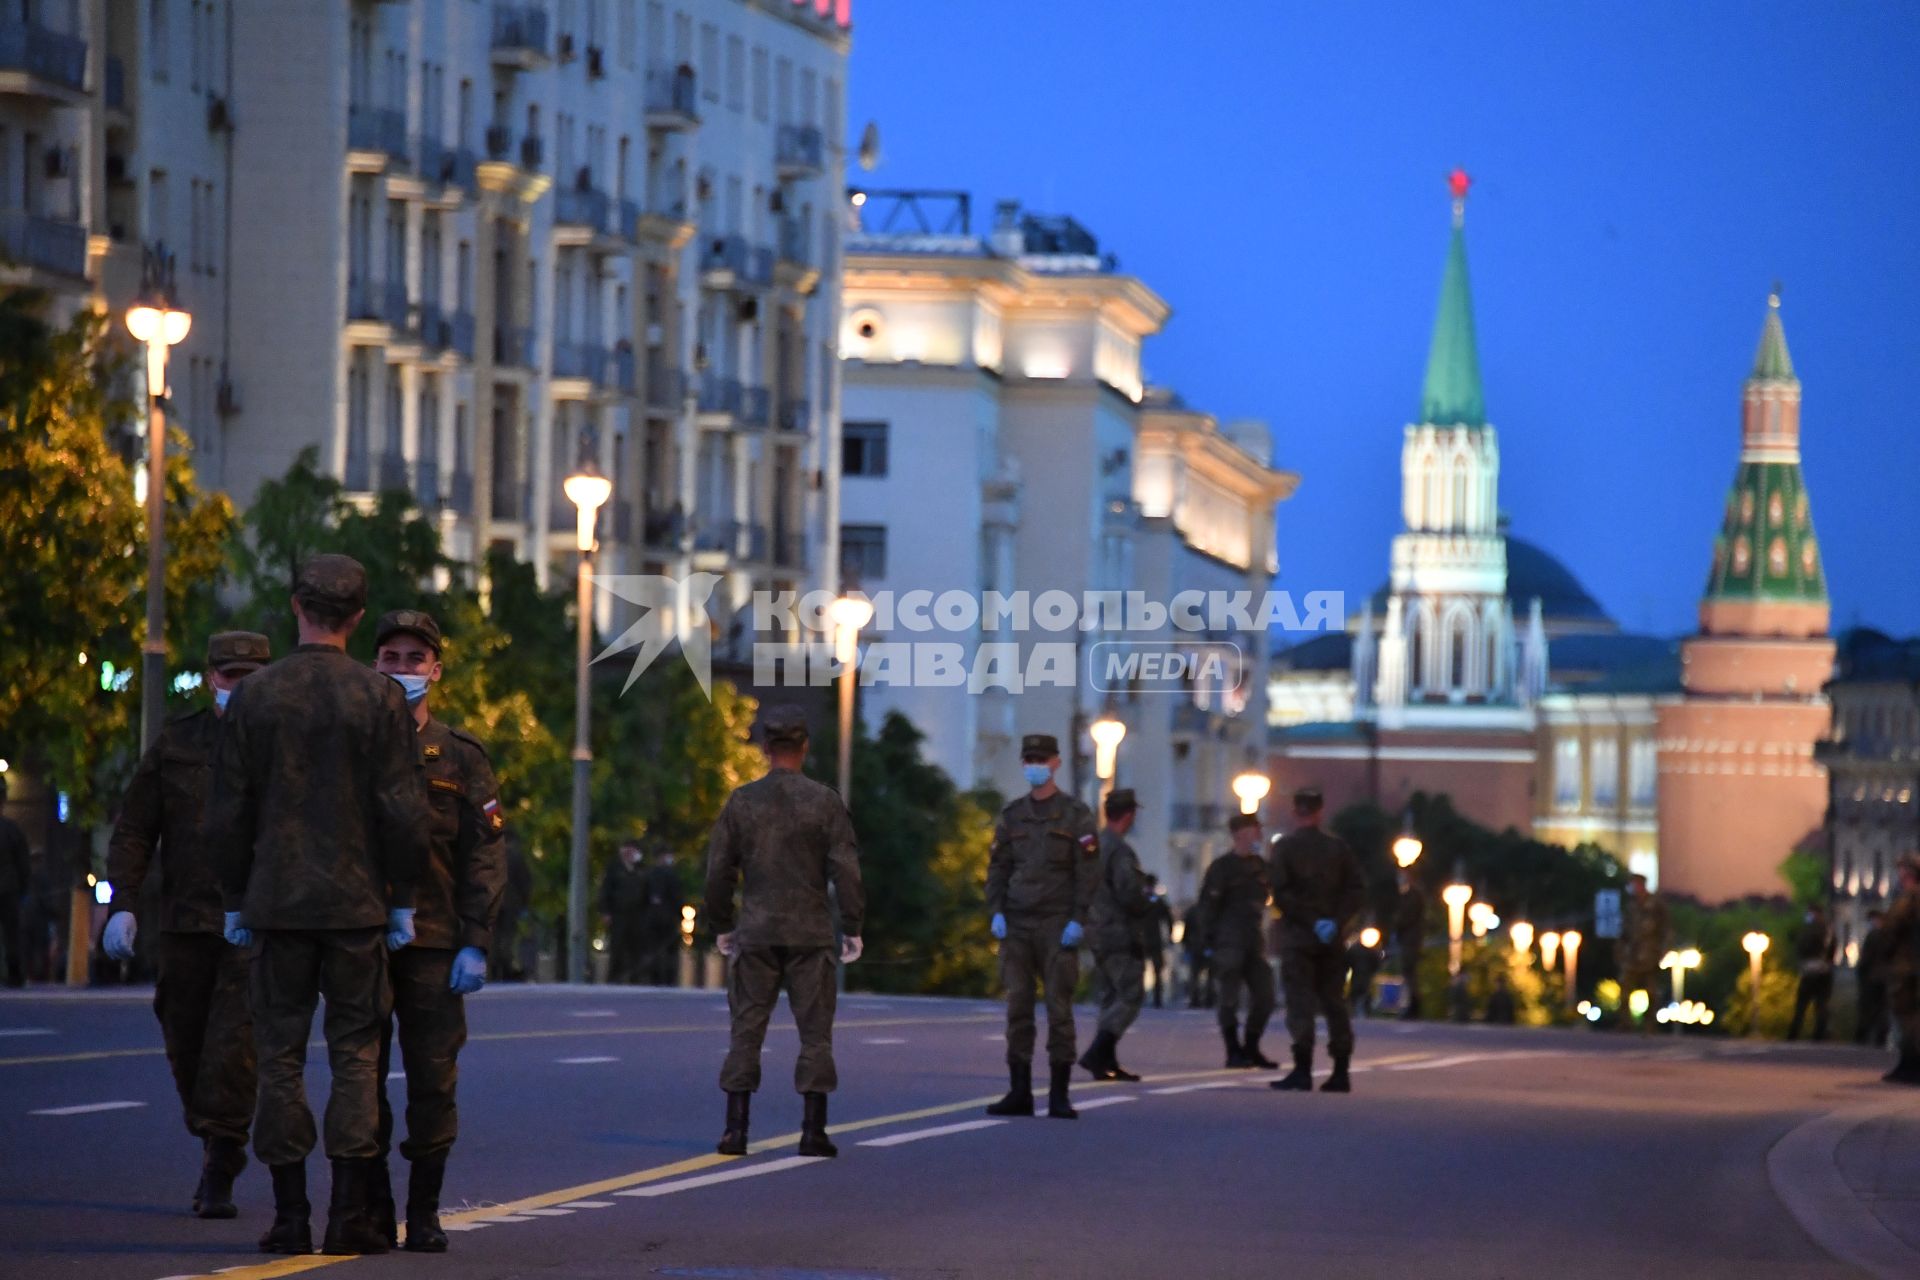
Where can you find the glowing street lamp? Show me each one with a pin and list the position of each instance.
(1755, 944)
(1522, 933)
(848, 614)
(588, 491)
(1480, 916)
(1550, 950)
(1406, 850)
(1107, 733)
(1679, 962)
(1570, 945)
(156, 322)
(1456, 896)
(1370, 938)
(1251, 787)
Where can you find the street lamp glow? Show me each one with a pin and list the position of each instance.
(588, 491)
(1107, 734)
(1637, 1003)
(1522, 937)
(1549, 950)
(1480, 915)
(1370, 937)
(158, 327)
(1755, 944)
(847, 614)
(1406, 850)
(1252, 788)
(1456, 896)
(1570, 946)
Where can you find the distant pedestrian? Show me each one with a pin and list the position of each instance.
(660, 929)
(201, 995)
(1903, 971)
(1363, 962)
(1234, 896)
(16, 883)
(1193, 935)
(1319, 891)
(1870, 971)
(623, 908)
(1643, 942)
(1155, 928)
(1813, 947)
(1041, 875)
(1500, 1010)
(1409, 937)
(1113, 928)
(783, 842)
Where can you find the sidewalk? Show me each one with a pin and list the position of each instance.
(1852, 1179)
(1880, 1161)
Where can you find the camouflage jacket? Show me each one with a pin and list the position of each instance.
(319, 817)
(1045, 860)
(165, 808)
(782, 841)
(1315, 877)
(1119, 899)
(1232, 910)
(458, 899)
(1643, 934)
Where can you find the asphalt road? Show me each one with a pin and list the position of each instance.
(588, 1118)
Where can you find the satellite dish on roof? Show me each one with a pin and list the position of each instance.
(870, 147)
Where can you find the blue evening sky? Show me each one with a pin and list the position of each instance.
(1642, 174)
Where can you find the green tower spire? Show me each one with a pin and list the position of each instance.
(1771, 363)
(1452, 395)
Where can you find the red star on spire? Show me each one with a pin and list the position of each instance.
(1459, 182)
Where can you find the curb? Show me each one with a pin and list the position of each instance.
(1804, 1170)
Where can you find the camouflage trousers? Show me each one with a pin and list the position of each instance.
(1234, 968)
(1315, 979)
(754, 980)
(201, 1001)
(1120, 985)
(291, 971)
(1030, 953)
(433, 1027)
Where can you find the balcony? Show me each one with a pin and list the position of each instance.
(582, 215)
(44, 244)
(512, 346)
(436, 333)
(620, 370)
(626, 220)
(718, 395)
(721, 259)
(116, 88)
(622, 520)
(789, 549)
(663, 526)
(578, 362)
(426, 484)
(365, 303)
(793, 243)
(520, 40)
(532, 153)
(460, 493)
(666, 385)
(796, 414)
(800, 151)
(393, 472)
(509, 497)
(716, 535)
(395, 309)
(759, 268)
(460, 331)
(672, 99)
(42, 64)
(447, 166)
(499, 142)
(376, 137)
(754, 403)
(357, 477)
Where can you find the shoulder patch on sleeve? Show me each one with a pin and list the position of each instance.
(431, 751)
(1089, 845)
(491, 812)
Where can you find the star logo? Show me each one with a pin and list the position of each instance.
(662, 601)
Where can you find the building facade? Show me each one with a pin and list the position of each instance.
(999, 438)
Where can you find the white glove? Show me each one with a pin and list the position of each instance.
(724, 944)
(117, 938)
(850, 949)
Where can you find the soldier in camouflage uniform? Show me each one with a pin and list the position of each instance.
(1040, 882)
(1643, 941)
(1114, 925)
(1903, 971)
(319, 828)
(456, 906)
(1319, 891)
(783, 842)
(201, 997)
(1232, 914)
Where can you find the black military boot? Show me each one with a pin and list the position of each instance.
(290, 1232)
(813, 1127)
(1300, 1079)
(225, 1159)
(1256, 1059)
(1059, 1106)
(350, 1225)
(1338, 1081)
(424, 1234)
(1236, 1053)
(1114, 1070)
(1907, 1069)
(1098, 1059)
(734, 1141)
(1019, 1099)
(380, 1200)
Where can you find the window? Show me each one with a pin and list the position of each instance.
(159, 227)
(193, 226)
(157, 40)
(629, 32)
(709, 62)
(863, 553)
(1642, 767)
(783, 91)
(761, 90)
(1566, 773)
(1606, 773)
(863, 449)
(809, 103)
(736, 74)
(195, 21)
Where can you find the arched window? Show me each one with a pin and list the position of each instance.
(1459, 652)
(1461, 518)
(1416, 663)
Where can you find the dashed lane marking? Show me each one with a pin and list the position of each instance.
(588, 1204)
(25, 1031)
(883, 1040)
(592, 1013)
(85, 1109)
(585, 1062)
(558, 1211)
(725, 1175)
(1105, 1102)
(1195, 1088)
(938, 1131)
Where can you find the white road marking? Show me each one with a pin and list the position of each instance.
(584, 1062)
(1461, 1059)
(26, 1031)
(463, 1226)
(713, 1179)
(591, 1013)
(941, 1131)
(547, 1213)
(87, 1109)
(588, 1204)
(1195, 1088)
(509, 1217)
(883, 1040)
(396, 1075)
(993, 1035)
(1110, 1101)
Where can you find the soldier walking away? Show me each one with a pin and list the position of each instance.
(1120, 905)
(16, 884)
(659, 958)
(1363, 962)
(783, 841)
(1903, 971)
(1643, 941)
(201, 995)
(1155, 926)
(1813, 947)
(1233, 915)
(456, 908)
(319, 830)
(1871, 974)
(1409, 936)
(1040, 881)
(1318, 890)
(623, 905)
(503, 960)
(1200, 994)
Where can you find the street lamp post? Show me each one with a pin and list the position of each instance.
(1678, 962)
(1107, 733)
(1550, 950)
(1522, 934)
(848, 614)
(1755, 944)
(156, 322)
(1456, 896)
(1406, 850)
(588, 491)
(1570, 945)
(1251, 787)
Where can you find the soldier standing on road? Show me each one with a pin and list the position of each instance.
(1643, 941)
(1120, 906)
(783, 841)
(623, 905)
(1040, 881)
(1814, 949)
(456, 908)
(1410, 936)
(1232, 914)
(201, 995)
(16, 883)
(1903, 971)
(1363, 962)
(1318, 890)
(319, 828)
(1155, 926)
(1200, 994)
(1871, 974)
(665, 897)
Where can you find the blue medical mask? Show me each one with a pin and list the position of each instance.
(220, 697)
(1036, 774)
(415, 688)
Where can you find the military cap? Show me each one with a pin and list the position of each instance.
(408, 622)
(1308, 797)
(1121, 800)
(784, 725)
(1039, 746)
(1241, 821)
(228, 649)
(332, 579)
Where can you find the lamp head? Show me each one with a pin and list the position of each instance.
(850, 612)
